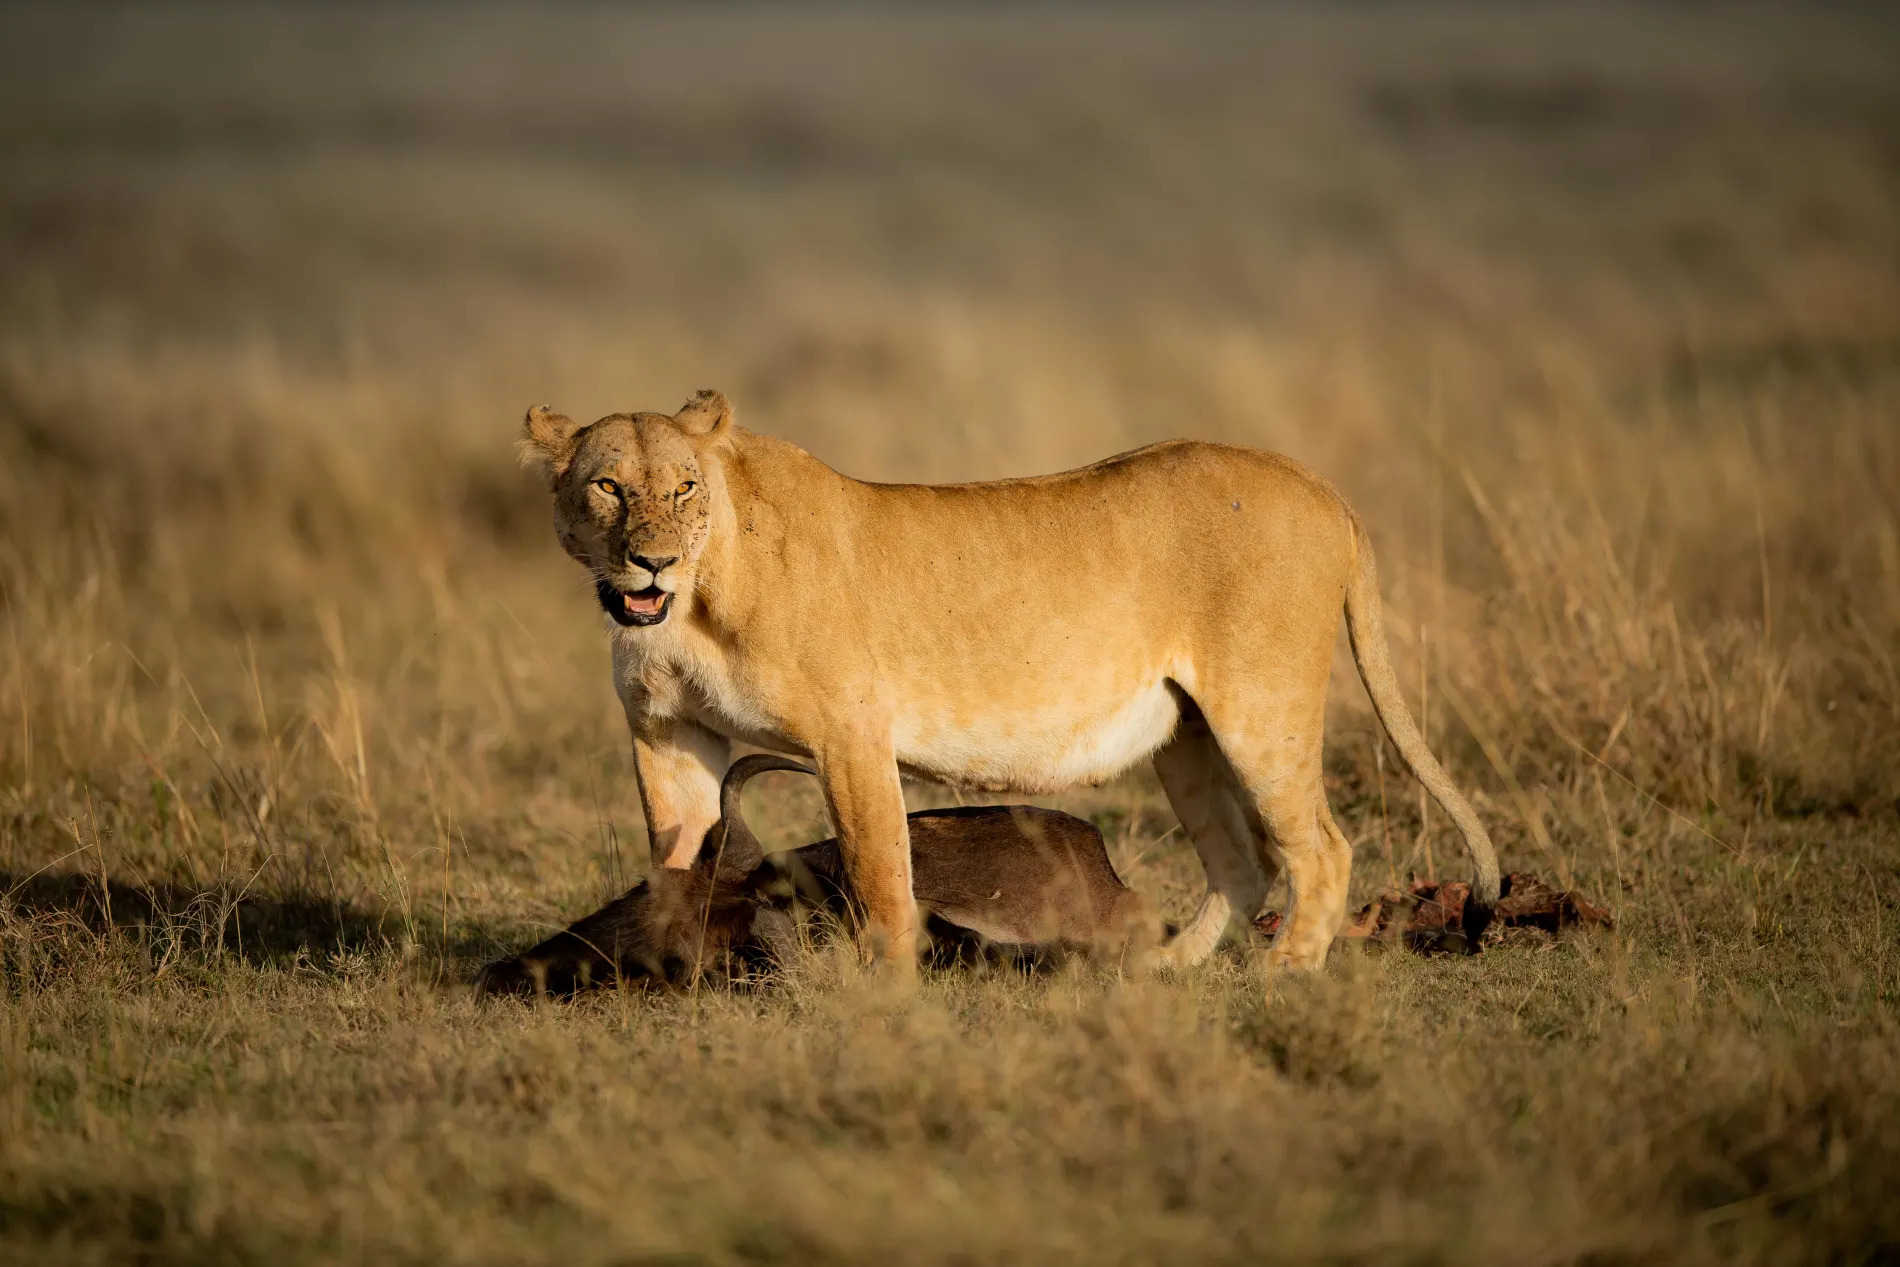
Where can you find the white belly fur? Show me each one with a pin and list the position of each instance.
(1010, 748)
(1041, 751)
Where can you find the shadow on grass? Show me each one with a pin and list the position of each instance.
(271, 927)
(279, 927)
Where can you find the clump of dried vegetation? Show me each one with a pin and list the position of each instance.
(1593, 315)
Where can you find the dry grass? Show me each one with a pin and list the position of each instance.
(1594, 315)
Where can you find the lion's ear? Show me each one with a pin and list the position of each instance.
(707, 415)
(547, 442)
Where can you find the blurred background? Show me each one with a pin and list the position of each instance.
(1591, 310)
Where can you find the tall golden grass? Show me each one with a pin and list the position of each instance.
(1592, 314)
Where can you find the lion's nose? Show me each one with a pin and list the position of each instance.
(651, 564)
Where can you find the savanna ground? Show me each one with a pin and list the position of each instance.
(1595, 315)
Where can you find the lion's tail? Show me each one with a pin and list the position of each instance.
(1365, 626)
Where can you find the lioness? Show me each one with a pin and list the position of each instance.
(1179, 602)
(1017, 877)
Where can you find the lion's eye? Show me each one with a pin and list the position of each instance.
(685, 490)
(608, 487)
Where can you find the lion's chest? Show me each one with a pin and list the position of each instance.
(675, 680)
(726, 707)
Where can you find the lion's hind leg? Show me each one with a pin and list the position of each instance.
(1207, 797)
(1318, 864)
(1273, 747)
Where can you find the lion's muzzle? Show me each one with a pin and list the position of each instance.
(636, 608)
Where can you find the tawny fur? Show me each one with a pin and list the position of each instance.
(1179, 602)
(1015, 877)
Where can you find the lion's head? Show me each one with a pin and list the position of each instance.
(633, 498)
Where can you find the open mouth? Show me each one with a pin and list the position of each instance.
(642, 607)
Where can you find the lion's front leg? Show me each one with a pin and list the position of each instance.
(867, 807)
(679, 765)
